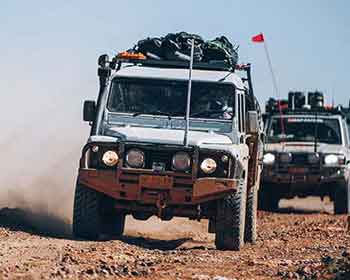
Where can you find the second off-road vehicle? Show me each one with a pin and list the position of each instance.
(163, 143)
(307, 151)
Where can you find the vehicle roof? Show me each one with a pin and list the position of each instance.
(136, 71)
(307, 114)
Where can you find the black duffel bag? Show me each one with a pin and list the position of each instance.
(150, 47)
(220, 49)
(178, 46)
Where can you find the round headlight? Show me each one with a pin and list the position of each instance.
(331, 159)
(110, 158)
(285, 157)
(208, 166)
(181, 161)
(269, 158)
(135, 158)
(313, 158)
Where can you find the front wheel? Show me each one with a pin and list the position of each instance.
(230, 220)
(341, 198)
(94, 215)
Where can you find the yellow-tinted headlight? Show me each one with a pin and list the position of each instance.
(110, 158)
(208, 166)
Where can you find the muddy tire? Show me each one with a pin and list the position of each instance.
(93, 218)
(250, 233)
(341, 199)
(230, 220)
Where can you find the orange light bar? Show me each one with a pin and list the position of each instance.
(128, 55)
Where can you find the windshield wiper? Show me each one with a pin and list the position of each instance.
(208, 113)
(159, 113)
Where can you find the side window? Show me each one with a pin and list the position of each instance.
(239, 106)
(348, 125)
(241, 111)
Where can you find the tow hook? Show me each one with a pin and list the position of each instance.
(161, 203)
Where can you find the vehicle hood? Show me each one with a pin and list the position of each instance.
(167, 136)
(304, 147)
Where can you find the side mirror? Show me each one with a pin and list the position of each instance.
(89, 112)
(253, 125)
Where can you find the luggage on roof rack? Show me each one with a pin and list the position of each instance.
(220, 49)
(296, 99)
(316, 99)
(177, 47)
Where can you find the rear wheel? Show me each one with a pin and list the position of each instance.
(94, 215)
(230, 220)
(250, 233)
(341, 199)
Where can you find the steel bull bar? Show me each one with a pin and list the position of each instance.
(165, 189)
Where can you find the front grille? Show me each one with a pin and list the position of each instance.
(300, 158)
(159, 154)
(164, 157)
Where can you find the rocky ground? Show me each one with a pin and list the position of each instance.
(302, 241)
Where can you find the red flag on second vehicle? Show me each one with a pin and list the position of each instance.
(258, 38)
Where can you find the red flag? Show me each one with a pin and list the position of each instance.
(258, 38)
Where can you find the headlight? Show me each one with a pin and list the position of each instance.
(135, 158)
(181, 161)
(285, 157)
(334, 160)
(208, 166)
(269, 159)
(331, 159)
(313, 158)
(110, 158)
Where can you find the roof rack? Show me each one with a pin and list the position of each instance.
(303, 111)
(139, 59)
(217, 65)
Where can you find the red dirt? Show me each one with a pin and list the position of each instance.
(301, 243)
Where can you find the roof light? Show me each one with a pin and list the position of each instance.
(128, 55)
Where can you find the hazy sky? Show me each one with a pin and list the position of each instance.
(50, 48)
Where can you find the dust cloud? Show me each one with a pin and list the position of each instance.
(40, 149)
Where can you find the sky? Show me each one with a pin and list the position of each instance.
(49, 50)
(54, 46)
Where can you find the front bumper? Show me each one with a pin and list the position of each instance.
(322, 176)
(321, 182)
(148, 187)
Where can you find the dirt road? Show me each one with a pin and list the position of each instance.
(304, 242)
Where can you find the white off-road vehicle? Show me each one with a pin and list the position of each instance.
(163, 143)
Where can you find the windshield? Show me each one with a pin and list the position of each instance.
(304, 129)
(157, 97)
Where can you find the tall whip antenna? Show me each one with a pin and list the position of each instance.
(188, 107)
